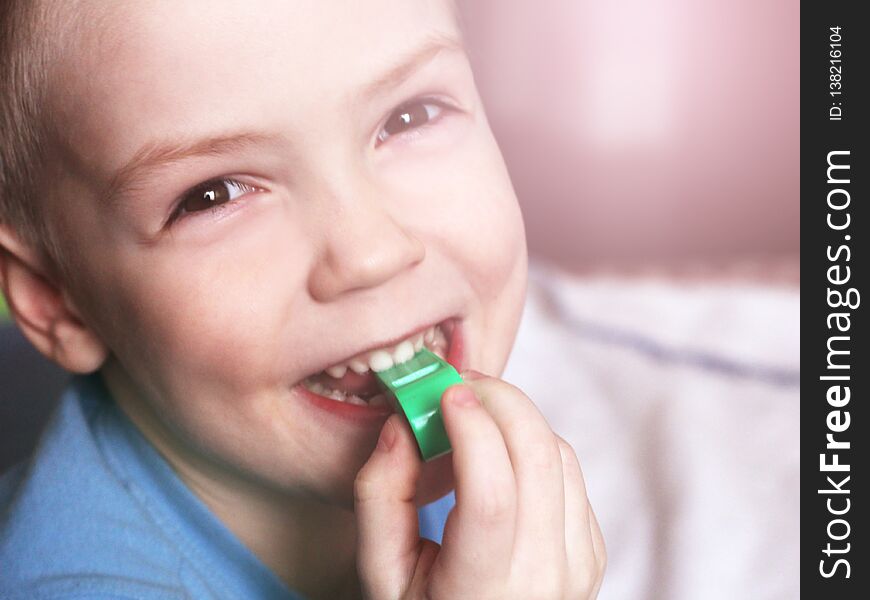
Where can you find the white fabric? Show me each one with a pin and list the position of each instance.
(682, 402)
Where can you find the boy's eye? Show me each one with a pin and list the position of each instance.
(410, 116)
(211, 194)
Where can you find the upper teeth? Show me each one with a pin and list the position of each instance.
(337, 371)
(385, 358)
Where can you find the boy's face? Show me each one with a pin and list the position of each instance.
(348, 222)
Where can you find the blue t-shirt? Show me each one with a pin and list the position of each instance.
(97, 513)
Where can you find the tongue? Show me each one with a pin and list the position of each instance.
(352, 383)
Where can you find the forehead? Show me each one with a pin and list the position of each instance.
(176, 66)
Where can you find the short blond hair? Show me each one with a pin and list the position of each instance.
(23, 124)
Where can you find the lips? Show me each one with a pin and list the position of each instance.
(352, 381)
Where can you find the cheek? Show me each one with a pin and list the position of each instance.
(212, 314)
(492, 240)
(462, 204)
(486, 232)
(488, 241)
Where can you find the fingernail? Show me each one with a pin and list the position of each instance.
(388, 436)
(462, 396)
(472, 375)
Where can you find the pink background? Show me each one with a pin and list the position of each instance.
(646, 132)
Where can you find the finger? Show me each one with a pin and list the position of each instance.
(479, 533)
(600, 550)
(539, 545)
(388, 541)
(579, 545)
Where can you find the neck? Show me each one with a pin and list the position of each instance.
(309, 544)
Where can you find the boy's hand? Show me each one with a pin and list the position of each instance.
(522, 526)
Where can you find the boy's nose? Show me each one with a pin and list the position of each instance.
(364, 247)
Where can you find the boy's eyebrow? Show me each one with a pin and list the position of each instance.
(160, 153)
(157, 154)
(435, 43)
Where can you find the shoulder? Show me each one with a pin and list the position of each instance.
(90, 587)
(69, 528)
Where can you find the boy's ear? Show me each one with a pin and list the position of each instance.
(44, 313)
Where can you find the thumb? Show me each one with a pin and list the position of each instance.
(388, 545)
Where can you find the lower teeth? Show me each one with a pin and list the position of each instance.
(379, 400)
(339, 396)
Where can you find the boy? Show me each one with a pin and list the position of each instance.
(220, 214)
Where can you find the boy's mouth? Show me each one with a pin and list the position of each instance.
(353, 381)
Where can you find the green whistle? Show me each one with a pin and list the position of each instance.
(417, 385)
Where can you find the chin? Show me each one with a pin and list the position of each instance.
(436, 481)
